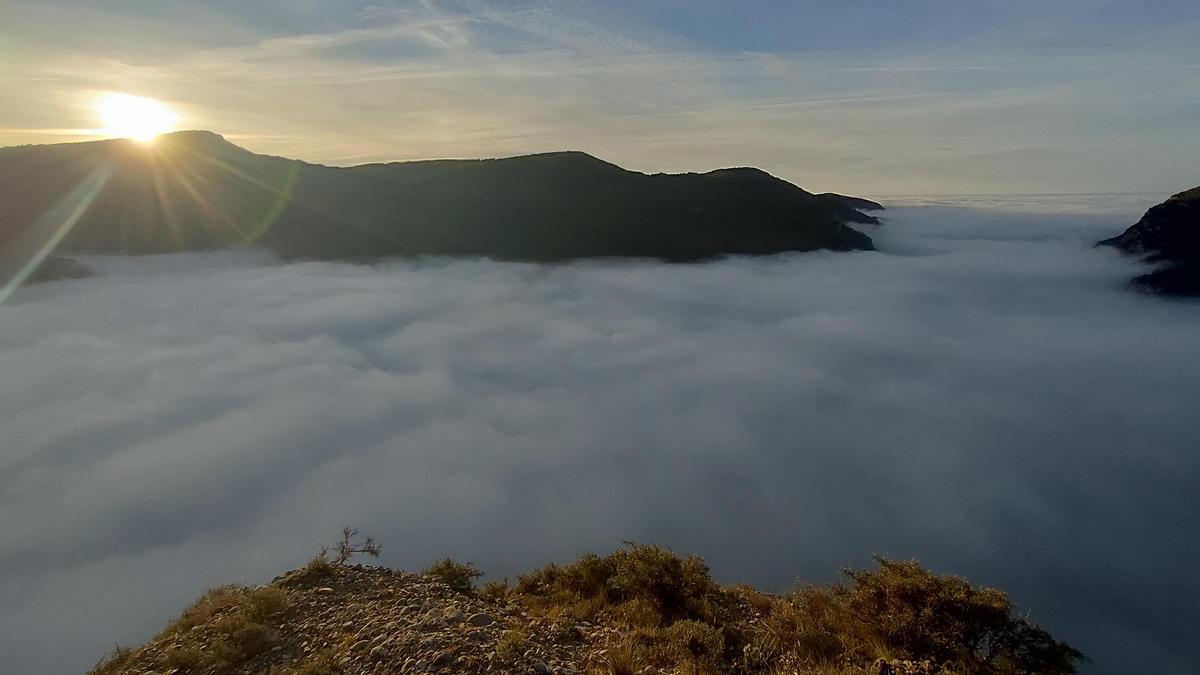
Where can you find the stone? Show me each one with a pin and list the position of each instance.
(481, 619)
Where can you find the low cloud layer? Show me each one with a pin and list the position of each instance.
(982, 394)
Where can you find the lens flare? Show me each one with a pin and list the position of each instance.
(137, 117)
(37, 244)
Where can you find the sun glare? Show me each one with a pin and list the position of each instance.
(136, 117)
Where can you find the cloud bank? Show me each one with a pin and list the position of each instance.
(981, 394)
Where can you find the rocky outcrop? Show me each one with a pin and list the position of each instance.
(1169, 234)
(641, 609)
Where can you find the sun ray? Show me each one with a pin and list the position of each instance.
(282, 193)
(168, 207)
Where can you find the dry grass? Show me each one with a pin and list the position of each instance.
(620, 659)
(511, 645)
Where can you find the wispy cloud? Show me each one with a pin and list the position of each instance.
(478, 79)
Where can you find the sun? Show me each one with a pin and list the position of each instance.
(136, 117)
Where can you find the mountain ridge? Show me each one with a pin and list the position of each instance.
(196, 190)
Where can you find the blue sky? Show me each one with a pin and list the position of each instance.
(879, 98)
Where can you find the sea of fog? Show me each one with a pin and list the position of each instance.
(982, 394)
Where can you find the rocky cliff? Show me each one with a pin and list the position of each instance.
(1169, 234)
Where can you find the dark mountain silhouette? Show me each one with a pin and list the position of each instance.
(56, 267)
(853, 202)
(195, 190)
(1169, 234)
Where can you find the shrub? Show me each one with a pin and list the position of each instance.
(584, 578)
(213, 602)
(494, 591)
(678, 587)
(619, 659)
(263, 604)
(246, 639)
(191, 658)
(338, 554)
(947, 620)
(902, 612)
(638, 613)
(349, 546)
(317, 567)
(458, 576)
(696, 644)
(810, 622)
(685, 646)
(644, 585)
(238, 619)
(587, 609)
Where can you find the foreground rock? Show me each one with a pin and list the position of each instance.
(639, 610)
(1168, 234)
(195, 190)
